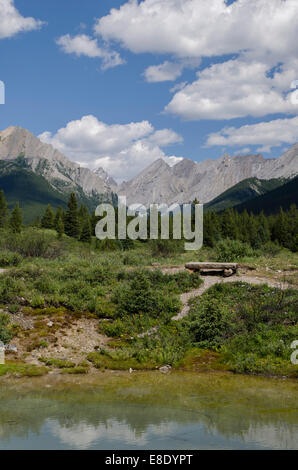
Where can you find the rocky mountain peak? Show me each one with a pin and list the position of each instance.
(43, 159)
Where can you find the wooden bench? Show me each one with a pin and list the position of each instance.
(227, 269)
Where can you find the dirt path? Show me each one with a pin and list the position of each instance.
(210, 281)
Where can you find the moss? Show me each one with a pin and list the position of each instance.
(58, 363)
(22, 370)
(202, 360)
(102, 360)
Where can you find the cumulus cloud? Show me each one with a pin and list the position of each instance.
(260, 35)
(236, 88)
(83, 44)
(266, 134)
(121, 149)
(196, 28)
(167, 71)
(12, 22)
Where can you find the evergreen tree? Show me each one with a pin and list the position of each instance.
(59, 215)
(36, 222)
(72, 225)
(209, 230)
(83, 215)
(263, 231)
(3, 210)
(16, 219)
(86, 231)
(229, 226)
(60, 227)
(93, 220)
(48, 218)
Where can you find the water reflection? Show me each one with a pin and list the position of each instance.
(125, 418)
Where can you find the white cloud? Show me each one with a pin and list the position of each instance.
(266, 134)
(236, 88)
(167, 71)
(261, 36)
(196, 28)
(12, 22)
(165, 137)
(121, 149)
(82, 44)
(244, 151)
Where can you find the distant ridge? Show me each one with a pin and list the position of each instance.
(242, 192)
(283, 196)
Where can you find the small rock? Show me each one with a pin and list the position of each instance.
(11, 348)
(165, 368)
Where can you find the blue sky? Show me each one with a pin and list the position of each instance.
(51, 82)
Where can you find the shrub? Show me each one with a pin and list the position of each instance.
(140, 297)
(271, 249)
(58, 363)
(5, 333)
(166, 247)
(136, 298)
(33, 242)
(233, 250)
(9, 258)
(210, 323)
(10, 290)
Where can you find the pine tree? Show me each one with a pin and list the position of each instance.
(3, 210)
(263, 232)
(86, 231)
(59, 215)
(83, 214)
(72, 226)
(60, 227)
(48, 218)
(93, 220)
(16, 219)
(36, 222)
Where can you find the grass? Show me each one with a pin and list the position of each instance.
(22, 370)
(57, 363)
(74, 279)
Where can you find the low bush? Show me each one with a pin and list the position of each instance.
(233, 251)
(5, 332)
(58, 363)
(166, 247)
(271, 249)
(9, 258)
(33, 243)
(252, 326)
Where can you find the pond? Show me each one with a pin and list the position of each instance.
(148, 411)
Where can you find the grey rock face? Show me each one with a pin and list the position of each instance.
(43, 159)
(205, 180)
(106, 177)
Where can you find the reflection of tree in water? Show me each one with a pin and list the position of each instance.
(133, 412)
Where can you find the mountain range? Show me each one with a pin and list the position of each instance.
(206, 180)
(36, 173)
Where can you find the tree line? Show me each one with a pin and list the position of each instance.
(255, 230)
